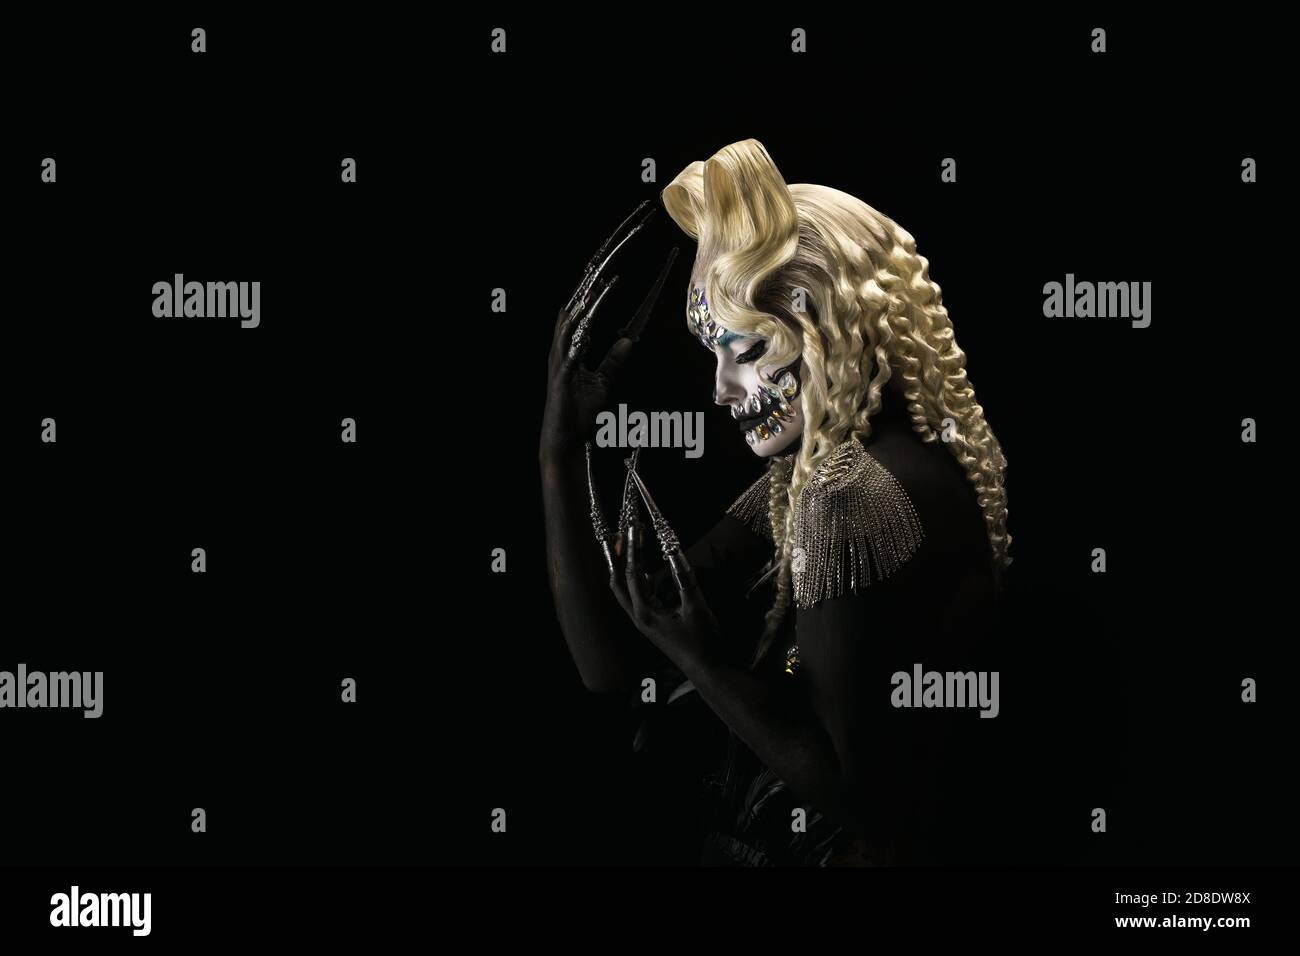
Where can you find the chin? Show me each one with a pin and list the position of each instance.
(782, 444)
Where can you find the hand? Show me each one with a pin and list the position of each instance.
(575, 393)
(688, 633)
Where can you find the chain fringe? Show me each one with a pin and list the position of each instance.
(854, 524)
(751, 508)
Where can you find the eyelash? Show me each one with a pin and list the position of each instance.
(752, 355)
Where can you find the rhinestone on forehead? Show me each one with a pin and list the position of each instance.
(703, 325)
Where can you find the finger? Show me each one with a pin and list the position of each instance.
(632, 571)
(643, 598)
(617, 581)
(620, 594)
(572, 314)
(568, 329)
(600, 269)
(615, 357)
(577, 344)
(634, 328)
(562, 344)
(598, 262)
(688, 588)
(599, 254)
(564, 329)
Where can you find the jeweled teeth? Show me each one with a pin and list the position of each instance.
(785, 409)
(753, 405)
(735, 412)
(763, 431)
(749, 436)
(774, 426)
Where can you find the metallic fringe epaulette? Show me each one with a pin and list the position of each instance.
(751, 508)
(853, 524)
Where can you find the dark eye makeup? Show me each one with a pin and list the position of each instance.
(752, 354)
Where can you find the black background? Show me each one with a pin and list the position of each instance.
(476, 172)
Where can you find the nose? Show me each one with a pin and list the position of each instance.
(727, 390)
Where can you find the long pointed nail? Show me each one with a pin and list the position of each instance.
(591, 280)
(667, 537)
(598, 523)
(584, 286)
(627, 508)
(634, 328)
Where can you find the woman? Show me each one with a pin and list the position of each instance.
(877, 535)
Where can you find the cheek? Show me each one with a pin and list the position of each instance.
(739, 377)
(747, 377)
(773, 372)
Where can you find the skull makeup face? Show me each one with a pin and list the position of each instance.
(768, 415)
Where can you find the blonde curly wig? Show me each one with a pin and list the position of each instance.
(823, 276)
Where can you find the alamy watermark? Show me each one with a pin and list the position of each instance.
(946, 689)
(1098, 300)
(198, 300)
(71, 689)
(75, 908)
(651, 430)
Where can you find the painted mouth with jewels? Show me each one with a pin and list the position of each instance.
(768, 412)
